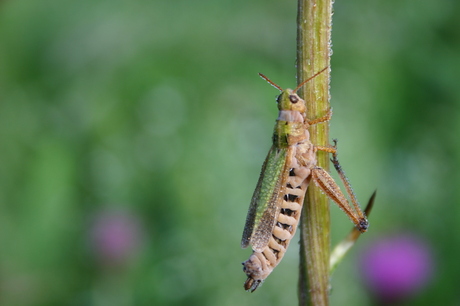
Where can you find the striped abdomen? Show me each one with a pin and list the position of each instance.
(261, 264)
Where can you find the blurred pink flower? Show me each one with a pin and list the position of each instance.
(396, 267)
(116, 236)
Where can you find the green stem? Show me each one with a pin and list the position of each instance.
(313, 54)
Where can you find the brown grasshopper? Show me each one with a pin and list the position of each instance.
(277, 201)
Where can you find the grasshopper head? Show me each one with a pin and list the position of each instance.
(289, 100)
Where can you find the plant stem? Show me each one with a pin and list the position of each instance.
(313, 54)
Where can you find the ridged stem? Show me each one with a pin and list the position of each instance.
(313, 54)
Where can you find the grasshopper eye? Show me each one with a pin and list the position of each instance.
(293, 98)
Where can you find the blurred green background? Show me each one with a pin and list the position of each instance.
(150, 114)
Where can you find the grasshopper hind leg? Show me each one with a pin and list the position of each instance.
(327, 184)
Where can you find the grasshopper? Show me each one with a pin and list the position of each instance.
(277, 201)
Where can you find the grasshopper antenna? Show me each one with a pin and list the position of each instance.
(306, 81)
(270, 82)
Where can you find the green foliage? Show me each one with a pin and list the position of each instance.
(156, 109)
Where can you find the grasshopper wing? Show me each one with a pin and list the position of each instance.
(266, 200)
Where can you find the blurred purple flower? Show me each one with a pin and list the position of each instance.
(396, 267)
(116, 236)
